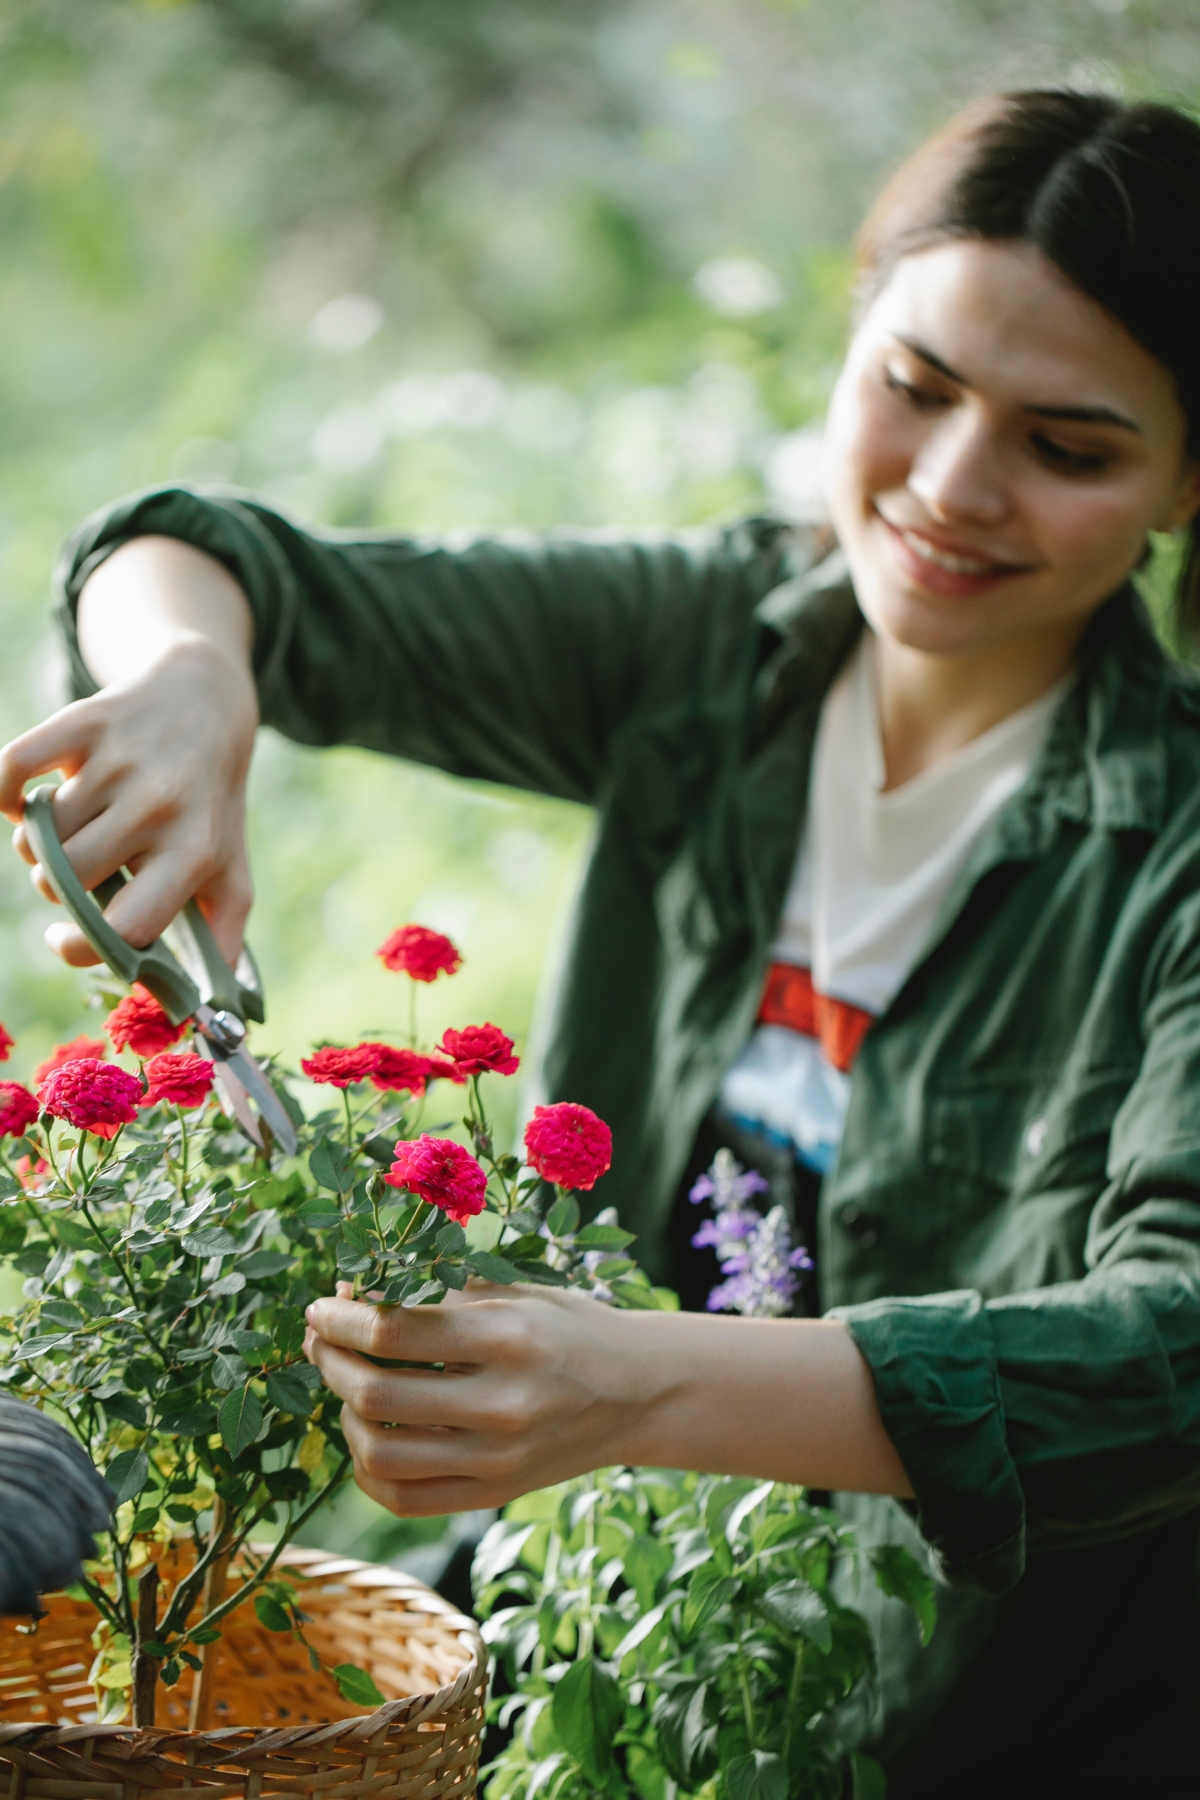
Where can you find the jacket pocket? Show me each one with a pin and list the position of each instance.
(1029, 1131)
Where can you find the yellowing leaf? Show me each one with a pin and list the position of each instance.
(309, 1455)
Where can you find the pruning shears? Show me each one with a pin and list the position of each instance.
(190, 979)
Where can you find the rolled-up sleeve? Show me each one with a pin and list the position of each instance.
(1069, 1415)
(513, 658)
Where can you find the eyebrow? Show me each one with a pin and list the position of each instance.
(1078, 415)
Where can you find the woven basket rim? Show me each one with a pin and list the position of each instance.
(234, 1743)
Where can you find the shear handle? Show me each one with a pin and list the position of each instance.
(154, 967)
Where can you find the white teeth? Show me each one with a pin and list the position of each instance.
(961, 565)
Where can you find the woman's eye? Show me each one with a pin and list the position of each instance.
(1071, 462)
(923, 398)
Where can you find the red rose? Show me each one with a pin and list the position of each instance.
(479, 1050)
(568, 1144)
(139, 1024)
(18, 1109)
(75, 1051)
(91, 1095)
(7, 1040)
(331, 1066)
(442, 1172)
(416, 951)
(404, 1071)
(181, 1080)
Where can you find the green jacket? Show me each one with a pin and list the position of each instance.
(1012, 1228)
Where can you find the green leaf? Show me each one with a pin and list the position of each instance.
(640, 1631)
(253, 1345)
(240, 1419)
(492, 1268)
(214, 1240)
(288, 1390)
(75, 1235)
(647, 1560)
(870, 1782)
(602, 1237)
(151, 1647)
(261, 1264)
(900, 1574)
(228, 1370)
(563, 1216)
(38, 1346)
(759, 1776)
(797, 1608)
(193, 1662)
(288, 1335)
(330, 1167)
(586, 1710)
(270, 1614)
(127, 1474)
(189, 1421)
(320, 1214)
(204, 1634)
(145, 1519)
(743, 1508)
(721, 1502)
(169, 1673)
(62, 1313)
(708, 1591)
(355, 1685)
(451, 1239)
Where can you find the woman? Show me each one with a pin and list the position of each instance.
(897, 864)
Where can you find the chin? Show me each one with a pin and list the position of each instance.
(927, 623)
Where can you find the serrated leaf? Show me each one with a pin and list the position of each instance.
(602, 1237)
(240, 1420)
(189, 1421)
(586, 1710)
(451, 1239)
(330, 1166)
(900, 1574)
(492, 1268)
(127, 1474)
(797, 1608)
(288, 1335)
(39, 1346)
(270, 1614)
(563, 1216)
(214, 1240)
(260, 1265)
(288, 1390)
(355, 1685)
(319, 1214)
(228, 1370)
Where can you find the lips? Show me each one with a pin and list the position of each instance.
(947, 567)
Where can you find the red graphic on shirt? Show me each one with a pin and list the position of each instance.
(790, 999)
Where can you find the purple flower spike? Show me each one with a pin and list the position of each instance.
(755, 1253)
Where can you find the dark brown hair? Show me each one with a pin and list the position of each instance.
(1109, 193)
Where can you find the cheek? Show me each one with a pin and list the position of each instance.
(868, 450)
(1102, 529)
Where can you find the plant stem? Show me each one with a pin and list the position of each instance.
(214, 1592)
(744, 1688)
(244, 1592)
(145, 1668)
(793, 1699)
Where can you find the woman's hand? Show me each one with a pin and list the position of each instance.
(540, 1384)
(537, 1385)
(155, 764)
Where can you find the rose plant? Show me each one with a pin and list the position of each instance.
(167, 1263)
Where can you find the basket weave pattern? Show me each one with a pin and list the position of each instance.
(283, 1729)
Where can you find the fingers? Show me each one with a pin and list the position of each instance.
(462, 1334)
(61, 742)
(421, 1399)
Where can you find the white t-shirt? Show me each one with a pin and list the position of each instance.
(873, 872)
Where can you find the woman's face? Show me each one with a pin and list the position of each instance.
(998, 448)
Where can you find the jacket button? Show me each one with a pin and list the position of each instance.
(861, 1225)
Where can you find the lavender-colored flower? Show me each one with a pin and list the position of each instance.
(755, 1253)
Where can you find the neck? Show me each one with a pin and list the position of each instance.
(930, 706)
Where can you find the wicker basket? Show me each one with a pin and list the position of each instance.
(280, 1728)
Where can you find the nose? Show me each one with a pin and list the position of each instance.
(957, 473)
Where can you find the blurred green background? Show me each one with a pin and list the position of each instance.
(438, 264)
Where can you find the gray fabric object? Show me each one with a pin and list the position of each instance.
(52, 1500)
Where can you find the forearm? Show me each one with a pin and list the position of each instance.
(157, 594)
(789, 1399)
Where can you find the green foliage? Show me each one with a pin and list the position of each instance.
(665, 1632)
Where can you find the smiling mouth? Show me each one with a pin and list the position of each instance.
(955, 562)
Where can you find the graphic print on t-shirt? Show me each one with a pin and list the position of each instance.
(873, 874)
